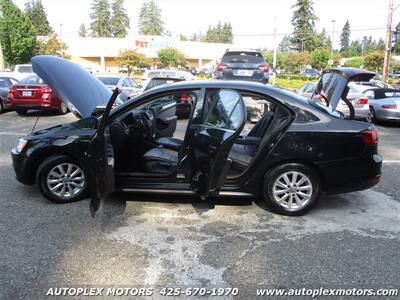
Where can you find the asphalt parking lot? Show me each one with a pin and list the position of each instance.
(349, 240)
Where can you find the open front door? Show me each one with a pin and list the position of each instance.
(211, 141)
(101, 160)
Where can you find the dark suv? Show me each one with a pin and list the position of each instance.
(246, 65)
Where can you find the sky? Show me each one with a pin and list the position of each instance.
(252, 20)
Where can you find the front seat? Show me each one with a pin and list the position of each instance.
(160, 160)
(170, 143)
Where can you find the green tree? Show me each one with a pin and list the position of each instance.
(321, 40)
(355, 62)
(171, 57)
(38, 17)
(355, 49)
(131, 58)
(82, 32)
(295, 61)
(303, 22)
(286, 44)
(18, 35)
(320, 58)
(374, 61)
(221, 33)
(100, 19)
(51, 45)
(150, 19)
(269, 58)
(119, 20)
(345, 37)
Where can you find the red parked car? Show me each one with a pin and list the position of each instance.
(32, 93)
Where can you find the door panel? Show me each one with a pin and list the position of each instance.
(211, 141)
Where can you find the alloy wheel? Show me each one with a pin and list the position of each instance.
(66, 180)
(292, 190)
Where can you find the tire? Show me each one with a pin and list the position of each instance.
(21, 112)
(1, 106)
(56, 171)
(281, 178)
(63, 109)
(373, 114)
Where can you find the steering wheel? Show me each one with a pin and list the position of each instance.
(146, 119)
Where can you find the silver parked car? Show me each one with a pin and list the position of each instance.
(124, 83)
(356, 97)
(384, 104)
(5, 83)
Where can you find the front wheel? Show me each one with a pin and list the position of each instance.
(62, 180)
(372, 113)
(291, 189)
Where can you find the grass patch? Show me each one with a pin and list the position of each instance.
(290, 84)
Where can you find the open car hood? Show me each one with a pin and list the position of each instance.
(332, 84)
(75, 86)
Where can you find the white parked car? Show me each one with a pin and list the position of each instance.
(148, 74)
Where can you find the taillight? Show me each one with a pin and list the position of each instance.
(46, 89)
(389, 106)
(263, 68)
(12, 89)
(362, 101)
(322, 99)
(220, 67)
(369, 137)
(184, 97)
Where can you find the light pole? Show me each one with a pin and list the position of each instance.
(333, 40)
(388, 46)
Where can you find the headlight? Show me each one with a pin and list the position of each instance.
(21, 144)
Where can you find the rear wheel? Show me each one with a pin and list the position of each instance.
(62, 180)
(291, 189)
(21, 112)
(63, 109)
(1, 106)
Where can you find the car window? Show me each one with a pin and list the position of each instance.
(33, 79)
(4, 83)
(153, 74)
(243, 57)
(224, 110)
(304, 116)
(126, 83)
(109, 80)
(133, 82)
(24, 69)
(369, 94)
(309, 88)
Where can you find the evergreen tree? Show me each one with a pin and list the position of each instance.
(82, 32)
(303, 22)
(345, 37)
(100, 16)
(119, 20)
(150, 19)
(38, 17)
(18, 35)
(286, 44)
(221, 33)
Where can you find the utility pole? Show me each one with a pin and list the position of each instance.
(1, 49)
(274, 59)
(386, 60)
(333, 40)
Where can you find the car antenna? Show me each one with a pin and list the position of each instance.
(37, 119)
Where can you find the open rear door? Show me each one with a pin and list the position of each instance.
(211, 141)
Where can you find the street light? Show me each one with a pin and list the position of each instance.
(333, 40)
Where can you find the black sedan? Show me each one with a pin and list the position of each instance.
(296, 150)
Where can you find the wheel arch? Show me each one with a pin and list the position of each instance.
(305, 162)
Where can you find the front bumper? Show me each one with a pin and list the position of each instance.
(21, 168)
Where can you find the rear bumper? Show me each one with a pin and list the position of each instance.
(259, 78)
(351, 175)
(34, 106)
(388, 114)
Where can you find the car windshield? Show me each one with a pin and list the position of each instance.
(109, 80)
(243, 57)
(24, 69)
(33, 79)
